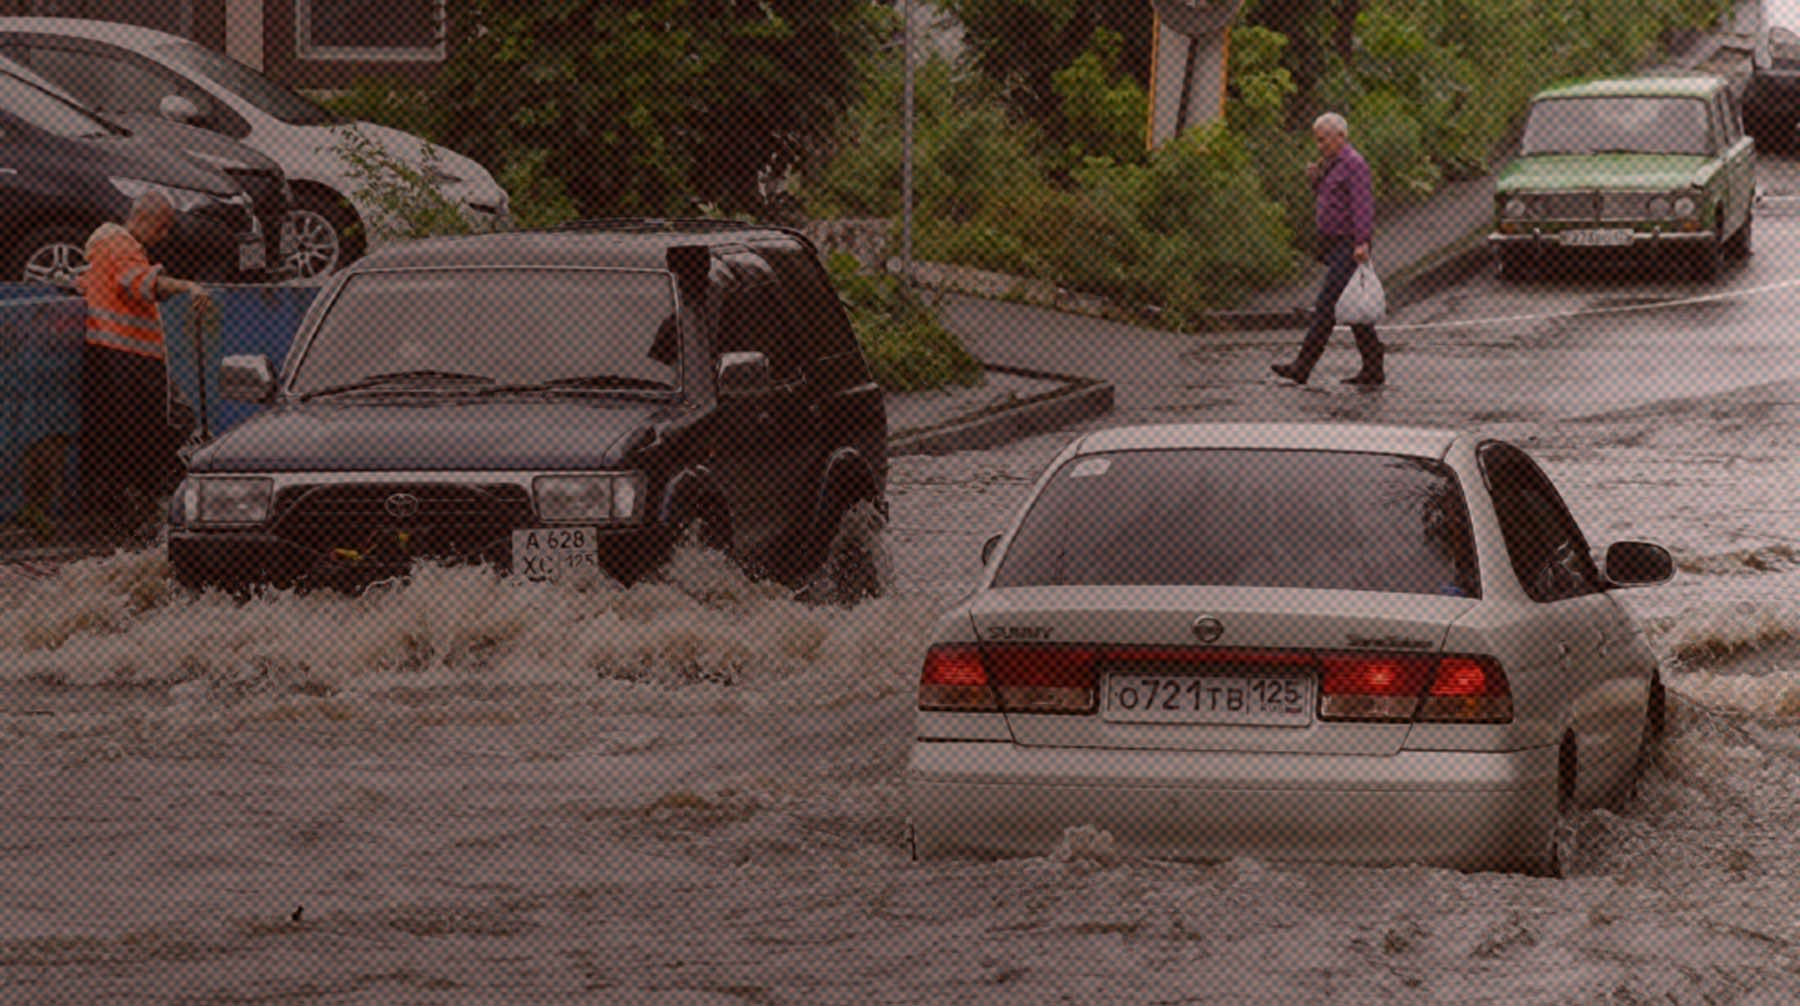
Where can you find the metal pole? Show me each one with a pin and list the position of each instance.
(906, 152)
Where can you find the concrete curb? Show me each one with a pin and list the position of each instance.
(1077, 399)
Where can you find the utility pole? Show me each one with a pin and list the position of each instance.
(906, 149)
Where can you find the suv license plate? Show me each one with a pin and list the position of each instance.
(251, 255)
(1597, 239)
(1264, 700)
(546, 553)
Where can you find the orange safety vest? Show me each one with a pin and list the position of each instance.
(120, 286)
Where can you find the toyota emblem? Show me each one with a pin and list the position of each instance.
(401, 505)
(1208, 629)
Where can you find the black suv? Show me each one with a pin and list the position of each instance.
(550, 401)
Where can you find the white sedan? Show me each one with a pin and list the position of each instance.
(1357, 644)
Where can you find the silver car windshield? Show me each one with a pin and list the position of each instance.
(1248, 518)
(1648, 125)
(576, 329)
(274, 99)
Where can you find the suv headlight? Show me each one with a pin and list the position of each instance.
(226, 502)
(613, 498)
(184, 200)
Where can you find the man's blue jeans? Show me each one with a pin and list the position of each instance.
(1339, 255)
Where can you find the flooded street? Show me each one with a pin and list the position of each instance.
(467, 790)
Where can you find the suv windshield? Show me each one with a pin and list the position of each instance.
(47, 112)
(460, 328)
(247, 84)
(1248, 518)
(1615, 125)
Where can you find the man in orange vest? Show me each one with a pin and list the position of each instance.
(129, 443)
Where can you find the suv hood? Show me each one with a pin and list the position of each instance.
(1582, 172)
(447, 434)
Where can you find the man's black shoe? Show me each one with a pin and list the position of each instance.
(1366, 380)
(1288, 371)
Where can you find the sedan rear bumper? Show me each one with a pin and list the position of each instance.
(1443, 808)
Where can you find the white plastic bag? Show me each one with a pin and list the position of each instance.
(1363, 302)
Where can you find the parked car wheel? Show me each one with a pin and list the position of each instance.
(1560, 842)
(50, 255)
(1707, 261)
(1518, 264)
(325, 235)
(1739, 245)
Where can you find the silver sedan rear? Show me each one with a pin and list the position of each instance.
(1312, 642)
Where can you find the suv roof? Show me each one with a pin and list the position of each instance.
(628, 243)
(1690, 85)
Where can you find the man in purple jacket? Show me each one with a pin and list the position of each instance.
(1344, 212)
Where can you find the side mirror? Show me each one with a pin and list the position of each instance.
(987, 549)
(742, 373)
(247, 378)
(1638, 564)
(179, 108)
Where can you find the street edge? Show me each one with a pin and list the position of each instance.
(1075, 400)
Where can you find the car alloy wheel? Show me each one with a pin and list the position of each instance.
(53, 257)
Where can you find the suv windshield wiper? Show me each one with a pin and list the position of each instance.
(590, 382)
(401, 376)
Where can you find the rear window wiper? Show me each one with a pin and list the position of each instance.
(402, 376)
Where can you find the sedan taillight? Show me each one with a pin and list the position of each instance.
(1448, 689)
(1019, 679)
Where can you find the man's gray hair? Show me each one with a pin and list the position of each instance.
(1333, 122)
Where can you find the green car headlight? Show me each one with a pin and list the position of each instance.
(1661, 207)
(613, 498)
(1685, 206)
(226, 502)
(1516, 208)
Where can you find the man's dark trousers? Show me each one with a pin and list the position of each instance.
(1339, 256)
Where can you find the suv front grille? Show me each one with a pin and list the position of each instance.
(437, 519)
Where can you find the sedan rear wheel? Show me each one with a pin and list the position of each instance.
(1559, 844)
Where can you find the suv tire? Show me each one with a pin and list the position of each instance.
(46, 252)
(855, 564)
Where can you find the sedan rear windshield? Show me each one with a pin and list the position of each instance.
(583, 328)
(1648, 125)
(1249, 518)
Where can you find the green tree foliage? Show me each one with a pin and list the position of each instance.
(650, 105)
(1104, 110)
(906, 343)
(1024, 43)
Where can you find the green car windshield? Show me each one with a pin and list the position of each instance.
(1605, 125)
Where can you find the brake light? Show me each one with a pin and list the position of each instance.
(1468, 690)
(1043, 679)
(1449, 689)
(1019, 679)
(955, 680)
(1356, 686)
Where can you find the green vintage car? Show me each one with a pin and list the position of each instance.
(1641, 164)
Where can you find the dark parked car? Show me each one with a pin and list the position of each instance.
(550, 401)
(64, 172)
(1772, 96)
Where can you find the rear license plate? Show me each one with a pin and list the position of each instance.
(1597, 239)
(1261, 700)
(547, 553)
(252, 254)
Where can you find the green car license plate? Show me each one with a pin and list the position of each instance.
(1610, 238)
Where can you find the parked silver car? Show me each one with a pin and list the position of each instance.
(1303, 642)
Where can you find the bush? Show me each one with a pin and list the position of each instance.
(907, 346)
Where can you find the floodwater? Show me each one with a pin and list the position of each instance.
(463, 789)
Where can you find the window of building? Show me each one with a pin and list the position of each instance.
(377, 30)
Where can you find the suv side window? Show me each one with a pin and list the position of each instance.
(755, 318)
(1548, 553)
(824, 329)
